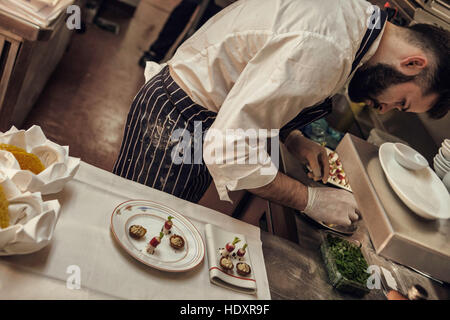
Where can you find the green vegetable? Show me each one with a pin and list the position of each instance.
(236, 240)
(349, 259)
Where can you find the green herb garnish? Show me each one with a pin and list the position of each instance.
(349, 259)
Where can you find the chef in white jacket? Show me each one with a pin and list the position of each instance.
(272, 65)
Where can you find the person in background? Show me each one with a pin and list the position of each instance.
(175, 25)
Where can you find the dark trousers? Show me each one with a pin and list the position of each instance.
(176, 23)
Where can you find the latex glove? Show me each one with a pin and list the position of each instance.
(331, 206)
(311, 153)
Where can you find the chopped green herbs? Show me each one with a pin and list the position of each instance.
(349, 259)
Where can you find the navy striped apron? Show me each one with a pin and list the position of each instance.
(161, 107)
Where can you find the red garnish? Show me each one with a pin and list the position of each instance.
(156, 240)
(338, 162)
(241, 251)
(168, 224)
(231, 245)
(341, 177)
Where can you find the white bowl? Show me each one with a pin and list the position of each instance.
(443, 157)
(442, 162)
(408, 157)
(445, 152)
(446, 142)
(446, 180)
(439, 170)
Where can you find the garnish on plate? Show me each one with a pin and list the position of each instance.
(154, 243)
(229, 247)
(241, 251)
(137, 231)
(243, 269)
(226, 263)
(176, 242)
(168, 225)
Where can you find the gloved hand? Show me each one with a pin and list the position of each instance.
(310, 153)
(331, 206)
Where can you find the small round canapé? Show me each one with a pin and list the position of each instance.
(243, 269)
(176, 242)
(226, 263)
(137, 231)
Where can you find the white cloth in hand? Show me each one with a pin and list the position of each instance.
(331, 206)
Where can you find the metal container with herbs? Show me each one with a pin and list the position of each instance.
(345, 264)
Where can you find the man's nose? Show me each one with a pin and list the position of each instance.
(385, 107)
(369, 103)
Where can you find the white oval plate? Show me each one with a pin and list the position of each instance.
(151, 216)
(421, 190)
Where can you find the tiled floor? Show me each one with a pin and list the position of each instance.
(87, 99)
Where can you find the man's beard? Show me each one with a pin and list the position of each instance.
(370, 82)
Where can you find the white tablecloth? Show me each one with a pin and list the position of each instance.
(83, 238)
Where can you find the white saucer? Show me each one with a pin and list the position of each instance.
(421, 190)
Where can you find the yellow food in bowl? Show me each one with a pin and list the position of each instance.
(4, 215)
(27, 161)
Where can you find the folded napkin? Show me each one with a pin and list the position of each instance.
(31, 220)
(59, 167)
(216, 239)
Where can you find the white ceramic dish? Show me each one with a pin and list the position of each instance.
(446, 180)
(409, 158)
(445, 152)
(439, 170)
(446, 142)
(421, 190)
(443, 162)
(151, 216)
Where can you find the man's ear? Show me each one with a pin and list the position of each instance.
(413, 65)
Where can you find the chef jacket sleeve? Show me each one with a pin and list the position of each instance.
(289, 73)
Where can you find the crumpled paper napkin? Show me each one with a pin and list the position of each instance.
(59, 167)
(32, 220)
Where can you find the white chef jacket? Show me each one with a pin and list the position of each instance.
(258, 63)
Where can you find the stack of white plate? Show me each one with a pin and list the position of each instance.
(39, 12)
(442, 159)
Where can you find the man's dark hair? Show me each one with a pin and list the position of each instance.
(436, 78)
